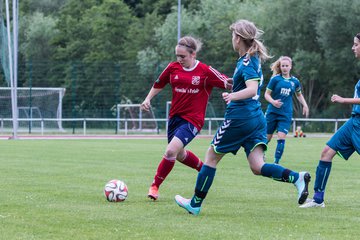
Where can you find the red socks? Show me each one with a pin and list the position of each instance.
(166, 165)
(192, 161)
(164, 168)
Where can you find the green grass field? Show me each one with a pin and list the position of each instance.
(53, 189)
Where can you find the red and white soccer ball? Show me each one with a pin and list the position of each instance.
(115, 191)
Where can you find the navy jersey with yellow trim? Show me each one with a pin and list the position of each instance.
(283, 89)
(356, 107)
(248, 68)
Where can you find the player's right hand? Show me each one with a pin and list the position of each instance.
(145, 105)
(226, 96)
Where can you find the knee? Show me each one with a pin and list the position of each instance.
(255, 170)
(211, 162)
(212, 158)
(180, 156)
(170, 153)
(327, 153)
(323, 153)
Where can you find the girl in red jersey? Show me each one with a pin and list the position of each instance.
(192, 82)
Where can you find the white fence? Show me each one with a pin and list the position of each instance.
(336, 121)
(82, 125)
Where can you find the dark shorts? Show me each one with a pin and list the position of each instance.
(347, 139)
(182, 129)
(236, 133)
(278, 123)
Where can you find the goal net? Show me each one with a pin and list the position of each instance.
(4, 59)
(38, 108)
(130, 117)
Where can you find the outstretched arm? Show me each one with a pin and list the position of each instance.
(337, 99)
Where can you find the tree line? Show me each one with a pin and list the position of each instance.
(110, 51)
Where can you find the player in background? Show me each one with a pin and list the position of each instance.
(279, 93)
(343, 143)
(244, 124)
(299, 133)
(192, 82)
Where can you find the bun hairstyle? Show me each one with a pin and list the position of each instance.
(190, 43)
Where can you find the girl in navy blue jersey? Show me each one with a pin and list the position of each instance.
(344, 142)
(279, 93)
(244, 124)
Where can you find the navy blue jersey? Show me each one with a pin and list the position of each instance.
(247, 68)
(283, 89)
(356, 107)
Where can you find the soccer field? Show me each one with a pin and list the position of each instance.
(53, 189)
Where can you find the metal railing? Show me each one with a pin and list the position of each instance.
(26, 125)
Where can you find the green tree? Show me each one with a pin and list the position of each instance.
(210, 23)
(93, 35)
(47, 7)
(36, 42)
(295, 35)
(336, 25)
(35, 48)
(97, 42)
(161, 7)
(109, 25)
(71, 42)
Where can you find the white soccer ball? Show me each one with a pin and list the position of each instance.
(115, 191)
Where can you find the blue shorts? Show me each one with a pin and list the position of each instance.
(235, 133)
(182, 129)
(347, 139)
(277, 122)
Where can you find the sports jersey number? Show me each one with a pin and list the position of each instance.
(257, 96)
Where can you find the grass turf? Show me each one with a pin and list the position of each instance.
(52, 189)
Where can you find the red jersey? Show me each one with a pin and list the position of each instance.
(191, 89)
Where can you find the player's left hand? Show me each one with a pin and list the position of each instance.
(277, 103)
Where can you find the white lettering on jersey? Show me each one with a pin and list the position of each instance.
(285, 91)
(181, 90)
(257, 96)
(187, 90)
(196, 90)
(176, 77)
